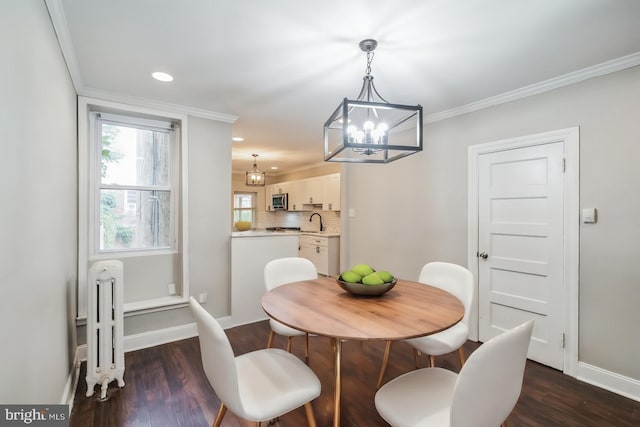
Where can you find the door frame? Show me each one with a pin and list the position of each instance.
(570, 137)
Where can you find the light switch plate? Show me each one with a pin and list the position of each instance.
(589, 215)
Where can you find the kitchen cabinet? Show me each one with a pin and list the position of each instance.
(320, 192)
(296, 196)
(313, 190)
(323, 251)
(331, 196)
(269, 190)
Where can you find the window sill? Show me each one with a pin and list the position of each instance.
(132, 253)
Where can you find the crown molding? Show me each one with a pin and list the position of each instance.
(608, 67)
(61, 28)
(157, 105)
(59, 21)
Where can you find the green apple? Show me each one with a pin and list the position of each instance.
(372, 279)
(386, 276)
(362, 269)
(351, 277)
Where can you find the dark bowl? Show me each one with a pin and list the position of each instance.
(366, 290)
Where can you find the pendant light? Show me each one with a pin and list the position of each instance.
(255, 178)
(370, 129)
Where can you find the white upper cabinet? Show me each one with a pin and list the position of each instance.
(296, 196)
(308, 194)
(313, 190)
(331, 197)
(269, 190)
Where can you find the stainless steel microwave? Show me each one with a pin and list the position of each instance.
(279, 202)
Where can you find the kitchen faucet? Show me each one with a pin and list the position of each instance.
(319, 216)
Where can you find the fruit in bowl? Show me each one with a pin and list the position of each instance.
(363, 279)
(243, 225)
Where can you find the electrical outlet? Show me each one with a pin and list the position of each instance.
(202, 298)
(172, 289)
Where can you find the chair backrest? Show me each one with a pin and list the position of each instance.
(490, 382)
(286, 270)
(218, 359)
(452, 278)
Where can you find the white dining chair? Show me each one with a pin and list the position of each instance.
(458, 281)
(483, 394)
(257, 386)
(282, 271)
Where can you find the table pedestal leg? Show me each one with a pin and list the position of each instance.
(338, 385)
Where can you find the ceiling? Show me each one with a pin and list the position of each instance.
(282, 66)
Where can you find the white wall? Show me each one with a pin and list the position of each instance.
(210, 213)
(38, 222)
(415, 210)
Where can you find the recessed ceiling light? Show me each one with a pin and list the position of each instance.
(163, 77)
(237, 139)
(274, 168)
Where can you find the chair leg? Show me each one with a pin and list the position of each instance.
(271, 334)
(432, 361)
(289, 344)
(416, 354)
(461, 355)
(306, 348)
(311, 419)
(221, 412)
(385, 361)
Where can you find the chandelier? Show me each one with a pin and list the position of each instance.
(370, 129)
(255, 178)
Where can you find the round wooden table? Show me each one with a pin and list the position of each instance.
(322, 307)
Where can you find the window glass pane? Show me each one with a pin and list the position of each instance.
(132, 156)
(243, 200)
(243, 215)
(132, 219)
(244, 206)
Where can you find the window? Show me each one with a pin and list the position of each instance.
(135, 199)
(244, 207)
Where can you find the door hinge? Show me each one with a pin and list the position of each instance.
(563, 339)
(564, 165)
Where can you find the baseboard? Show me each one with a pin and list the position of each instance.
(159, 337)
(156, 337)
(616, 383)
(69, 391)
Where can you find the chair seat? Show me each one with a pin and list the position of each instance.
(443, 342)
(272, 381)
(430, 390)
(284, 330)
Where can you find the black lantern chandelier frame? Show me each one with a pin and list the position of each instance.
(254, 177)
(370, 129)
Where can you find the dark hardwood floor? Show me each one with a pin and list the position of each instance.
(165, 386)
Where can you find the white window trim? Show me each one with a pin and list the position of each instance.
(85, 192)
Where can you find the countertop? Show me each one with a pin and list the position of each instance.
(265, 233)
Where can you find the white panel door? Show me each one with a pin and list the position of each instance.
(520, 219)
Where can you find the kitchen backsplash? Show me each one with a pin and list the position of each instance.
(330, 220)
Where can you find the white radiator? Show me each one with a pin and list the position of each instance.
(105, 354)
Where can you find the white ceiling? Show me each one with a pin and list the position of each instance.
(282, 66)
